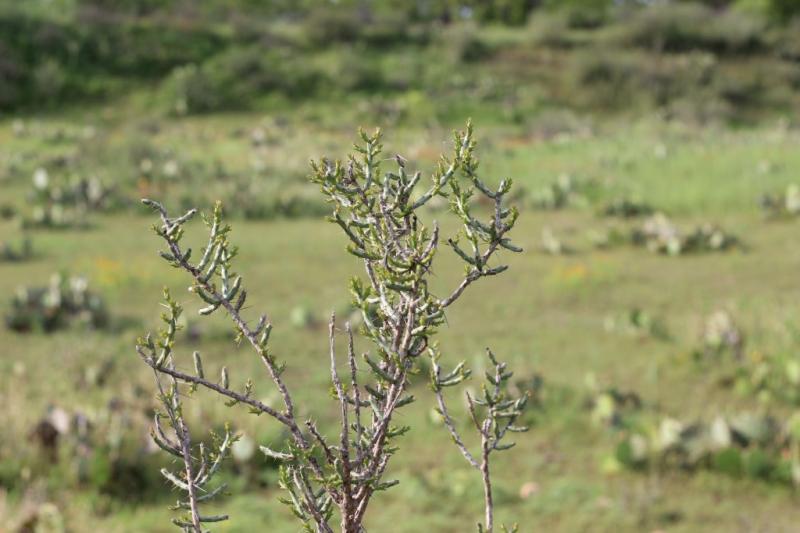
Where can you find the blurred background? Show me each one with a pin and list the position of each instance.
(655, 151)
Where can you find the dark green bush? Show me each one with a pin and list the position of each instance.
(324, 26)
(625, 207)
(744, 86)
(129, 7)
(784, 10)
(354, 70)
(688, 26)
(551, 30)
(405, 71)
(462, 43)
(788, 44)
(631, 80)
(392, 29)
(150, 49)
(510, 12)
(332, 25)
(12, 74)
(582, 13)
(235, 78)
(47, 62)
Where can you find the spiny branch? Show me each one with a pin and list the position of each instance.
(380, 214)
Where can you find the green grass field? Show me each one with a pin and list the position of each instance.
(546, 316)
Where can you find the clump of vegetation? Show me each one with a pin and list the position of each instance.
(691, 26)
(293, 51)
(50, 61)
(463, 44)
(233, 80)
(614, 80)
(377, 26)
(658, 234)
(64, 301)
(625, 207)
(378, 211)
(709, 238)
(782, 205)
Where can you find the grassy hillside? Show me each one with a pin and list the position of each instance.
(548, 317)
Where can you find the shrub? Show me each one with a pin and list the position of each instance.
(744, 88)
(788, 42)
(392, 29)
(378, 213)
(405, 71)
(550, 30)
(627, 208)
(461, 43)
(354, 70)
(324, 26)
(132, 7)
(681, 27)
(234, 79)
(49, 81)
(602, 80)
(510, 12)
(48, 62)
(693, 83)
(784, 10)
(11, 78)
(332, 25)
(582, 13)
